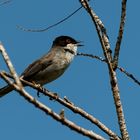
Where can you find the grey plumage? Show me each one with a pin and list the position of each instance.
(51, 66)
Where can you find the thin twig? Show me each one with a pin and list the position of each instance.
(128, 74)
(10, 66)
(91, 56)
(51, 113)
(51, 26)
(18, 86)
(120, 34)
(70, 105)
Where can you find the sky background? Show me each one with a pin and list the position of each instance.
(85, 83)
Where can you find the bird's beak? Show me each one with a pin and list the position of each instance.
(79, 44)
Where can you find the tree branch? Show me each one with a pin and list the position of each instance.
(53, 96)
(128, 74)
(10, 66)
(18, 87)
(70, 105)
(50, 112)
(120, 34)
(113, 79)
(101, 31)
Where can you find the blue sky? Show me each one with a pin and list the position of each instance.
(86, 82)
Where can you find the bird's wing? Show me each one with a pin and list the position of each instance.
(36, 67)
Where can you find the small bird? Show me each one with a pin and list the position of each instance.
(50, 66)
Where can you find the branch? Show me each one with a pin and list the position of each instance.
(64, 101)
(120, 34)
(113, 79)
(91, 56)
(10, 66)
(51, 26)
(18, 87)
(101, 31)
(70, 105)
(49, 111)
(128, 74)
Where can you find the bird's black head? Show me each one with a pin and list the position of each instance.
(64, 40)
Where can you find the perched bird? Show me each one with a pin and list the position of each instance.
(50, 66)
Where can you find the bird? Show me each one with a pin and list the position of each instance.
(51, 65)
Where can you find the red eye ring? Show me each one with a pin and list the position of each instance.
(68, 41)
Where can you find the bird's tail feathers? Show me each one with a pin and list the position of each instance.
(5, 90)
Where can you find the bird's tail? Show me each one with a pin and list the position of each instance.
(5, 90)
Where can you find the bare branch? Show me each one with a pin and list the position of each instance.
(92, 56)
(51, 26)
(49, 111)
(10, 66)
(120, 34)
(102, 34)
(18, 87)
(128, 74)
(70, 105)
(113, 79)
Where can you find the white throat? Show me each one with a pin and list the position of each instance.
(72, 51)
(72, 47)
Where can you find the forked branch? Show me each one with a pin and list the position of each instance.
(113, 78)
(58, 117)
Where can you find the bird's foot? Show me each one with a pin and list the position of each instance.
(37, 86)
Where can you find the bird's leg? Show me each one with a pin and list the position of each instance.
(38, 86)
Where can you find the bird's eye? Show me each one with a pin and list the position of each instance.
(68, 41)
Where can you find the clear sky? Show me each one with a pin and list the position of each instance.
(86, 82)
